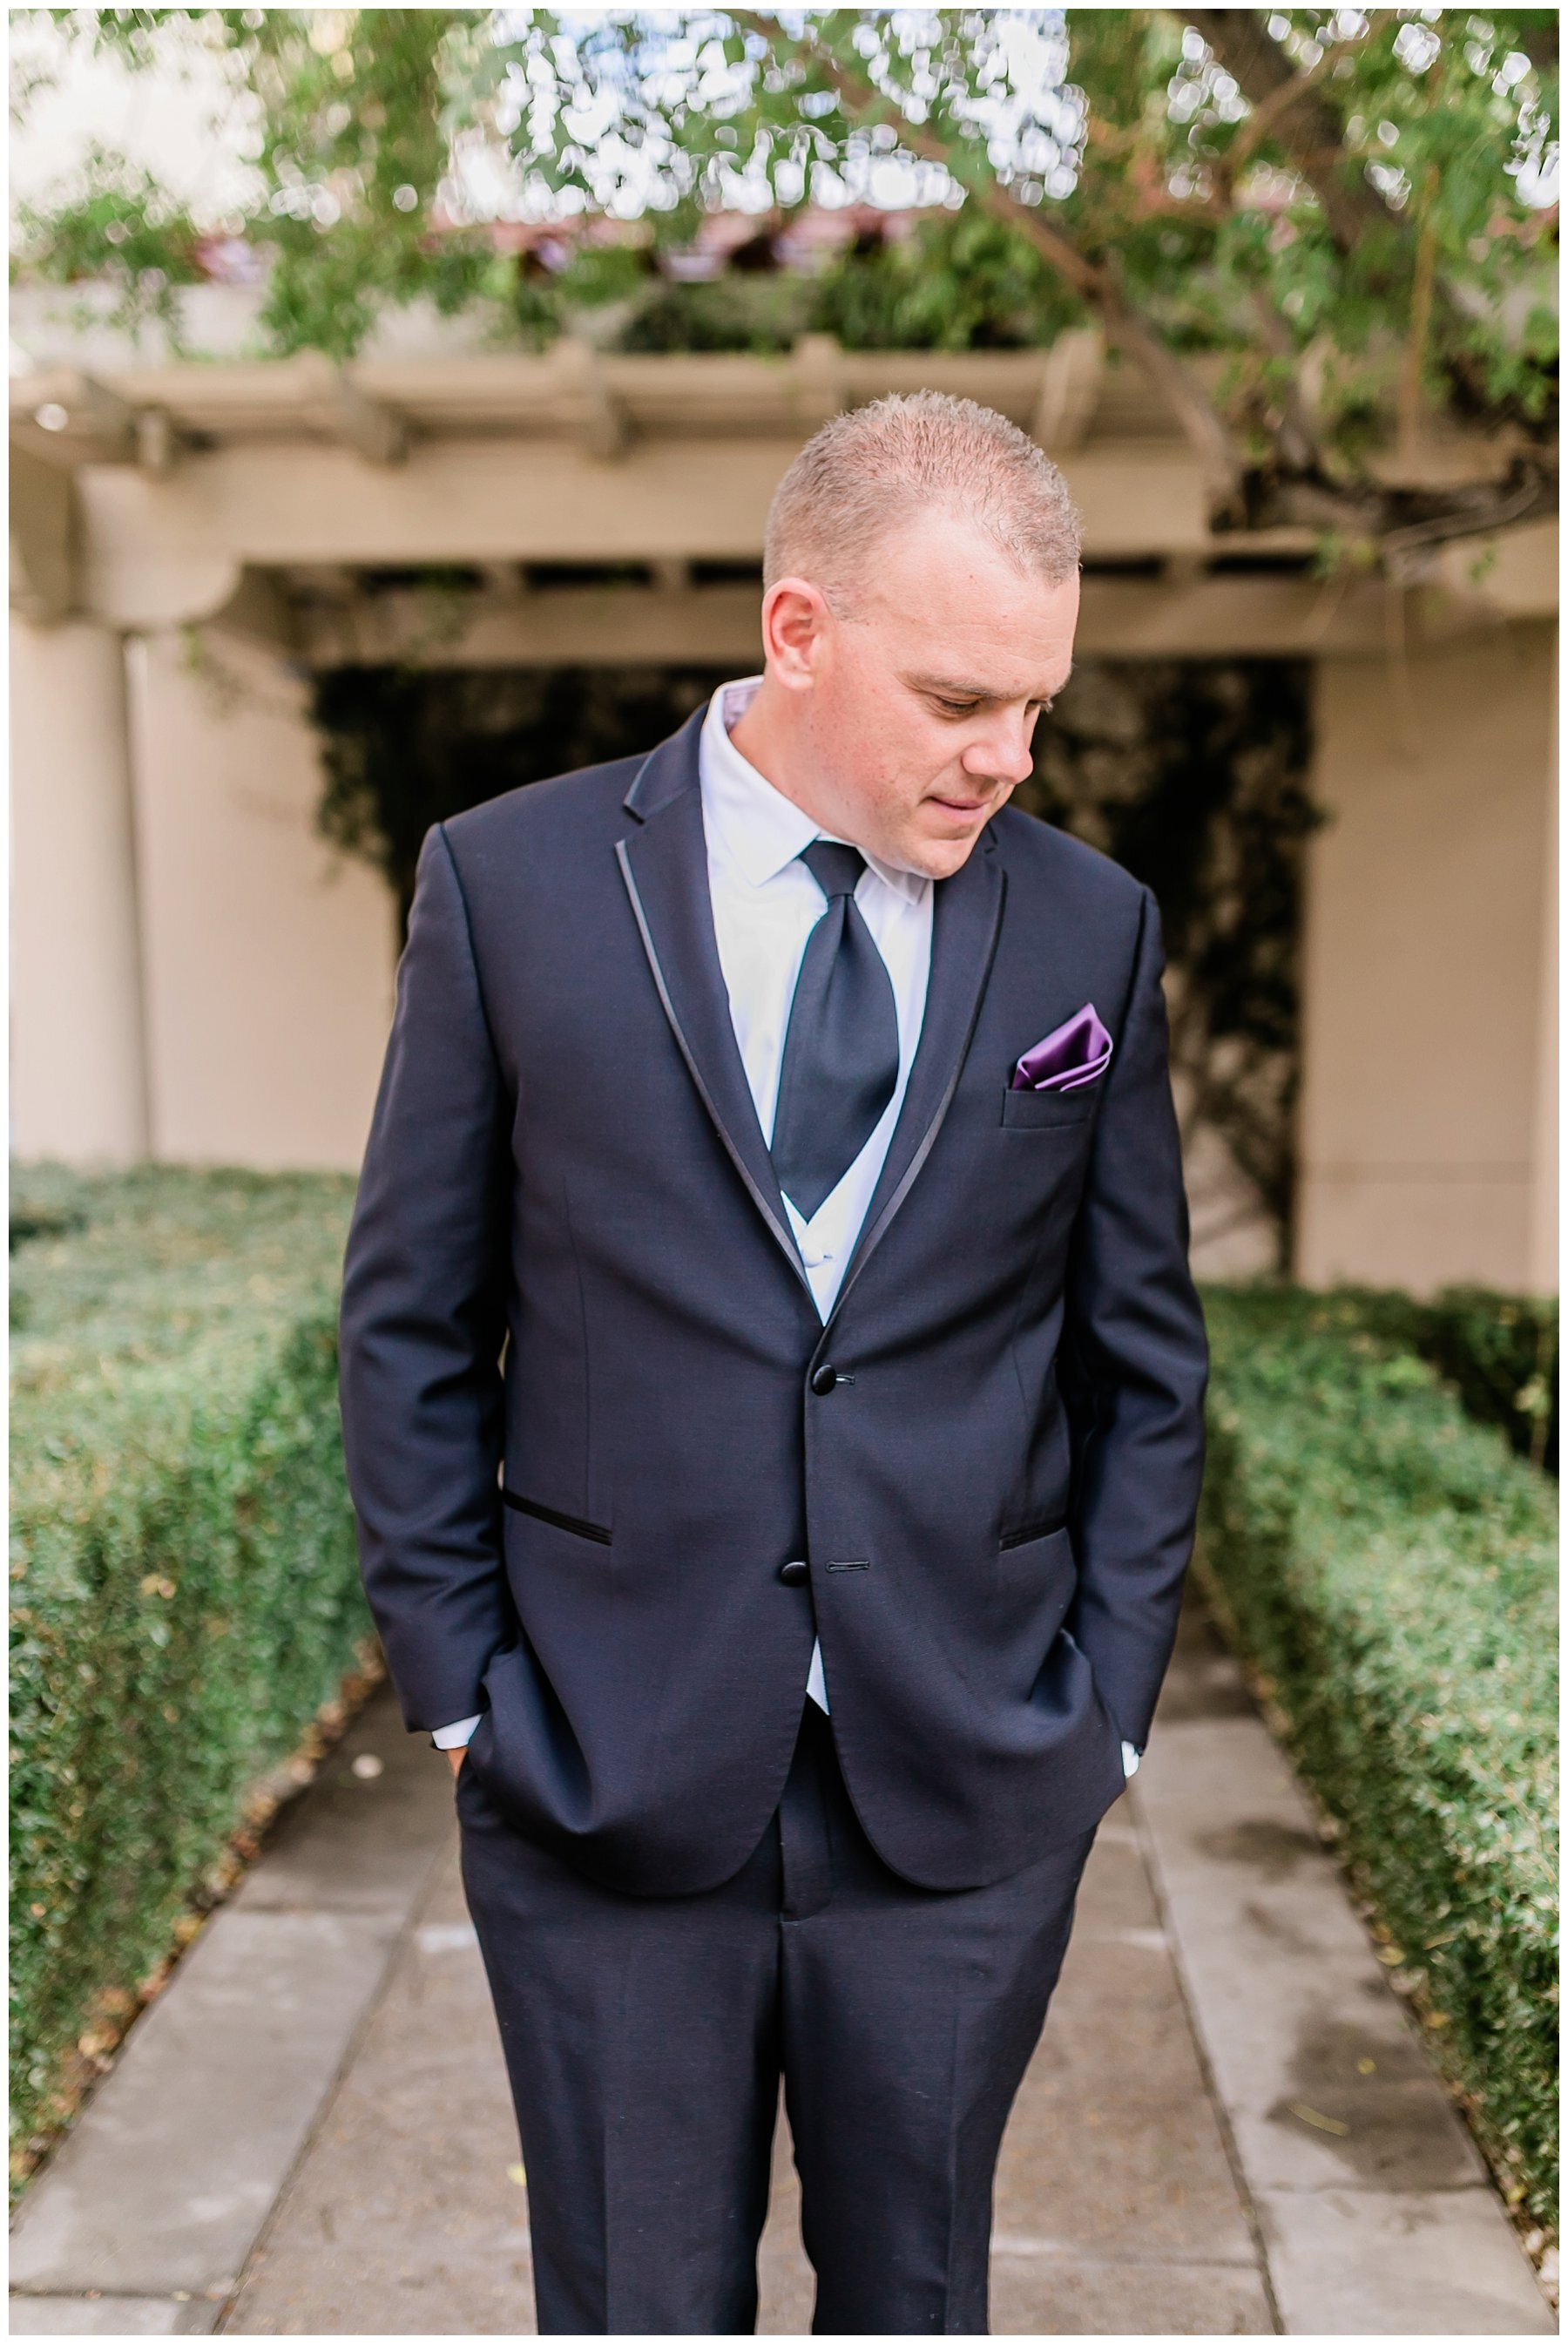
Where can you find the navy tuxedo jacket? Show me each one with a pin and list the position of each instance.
(589, 1409)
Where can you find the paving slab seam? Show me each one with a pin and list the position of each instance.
(1051, 2250)
(419, 1903)
(1148, 1844)
(120, 2294)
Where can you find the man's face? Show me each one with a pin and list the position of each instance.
(924, 690)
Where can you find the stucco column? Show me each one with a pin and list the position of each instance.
(77, 1050)
(270, 956)
(1427, 955)
(1541, 1268)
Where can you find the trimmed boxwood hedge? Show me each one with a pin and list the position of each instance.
(1390, 1569)
(1499, 1351)
(184, 1589)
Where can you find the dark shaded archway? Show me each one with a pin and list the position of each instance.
(407, 747)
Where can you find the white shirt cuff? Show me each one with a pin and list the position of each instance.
(1130, 1758)
(453, 1737)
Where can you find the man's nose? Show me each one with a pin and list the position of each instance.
(1003, 754)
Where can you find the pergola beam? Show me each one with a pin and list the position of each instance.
(44, 539)
(1185, 614)
(374, 430)
(1070, 392)
(471, 501)
(68, 419)
(604, 401)
(574, 456)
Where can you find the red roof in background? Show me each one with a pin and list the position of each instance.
(801, 239)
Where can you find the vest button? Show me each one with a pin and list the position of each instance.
(794, 1574)
(824, 1380)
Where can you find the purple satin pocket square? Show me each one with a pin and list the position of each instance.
(1070, 1058)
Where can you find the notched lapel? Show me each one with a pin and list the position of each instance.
(664, 863)
(966, 918)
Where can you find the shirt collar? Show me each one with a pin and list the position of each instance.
(755, 826)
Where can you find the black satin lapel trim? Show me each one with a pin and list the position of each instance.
(665, 867)
(667, 772)
(965, 922)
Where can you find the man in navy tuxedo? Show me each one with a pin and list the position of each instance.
(772, 1392)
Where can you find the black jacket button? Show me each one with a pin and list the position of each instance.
(794, 1573)
(824, 1380)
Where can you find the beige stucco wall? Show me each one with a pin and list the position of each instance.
(77, 1076)
(269, 959)
(1546, 1196)
(1429, 973)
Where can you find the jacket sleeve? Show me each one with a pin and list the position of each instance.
(1133, 1366)
(423, 1320)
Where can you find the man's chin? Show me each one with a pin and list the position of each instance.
(940, 857)
(930, 860)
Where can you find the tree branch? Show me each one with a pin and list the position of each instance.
(1298, 440)
(1098, 285)
(1401, 521)
(1538, 40)
(1420, 316)
(1404, 522)
(1260, 123)
(1529, 494)
(1306, 128)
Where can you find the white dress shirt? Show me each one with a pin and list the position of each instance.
(765, 906)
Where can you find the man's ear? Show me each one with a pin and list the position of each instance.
(795, 618)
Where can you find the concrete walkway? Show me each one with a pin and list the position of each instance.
(1229, 2127)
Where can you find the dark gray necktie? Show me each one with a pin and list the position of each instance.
(840, 1063)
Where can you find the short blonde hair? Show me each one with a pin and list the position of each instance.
(873, 467)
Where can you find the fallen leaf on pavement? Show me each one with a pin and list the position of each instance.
(1315, 2116)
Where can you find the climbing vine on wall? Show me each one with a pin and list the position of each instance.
(404, 748)
(1191, 773)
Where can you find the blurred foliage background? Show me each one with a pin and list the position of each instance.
(1327, 233)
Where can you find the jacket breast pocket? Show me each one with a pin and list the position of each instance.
(1046, 1111)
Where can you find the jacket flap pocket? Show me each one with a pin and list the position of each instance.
(559, 1522)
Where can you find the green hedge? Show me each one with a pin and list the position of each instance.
(1499, 1351)
(184, 1589)
(1390, 1568)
